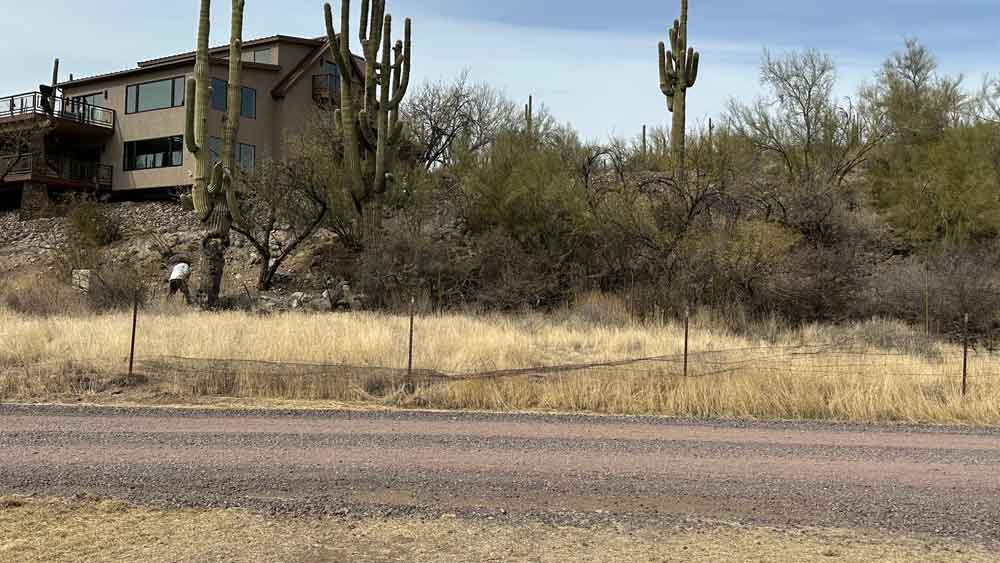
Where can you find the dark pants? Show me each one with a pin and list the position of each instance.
(181, 286)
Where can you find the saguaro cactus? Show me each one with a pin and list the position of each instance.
(369, 118)
(529, 115)
(678, 72)
(214, 197)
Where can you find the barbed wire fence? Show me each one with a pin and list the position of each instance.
(843, 357)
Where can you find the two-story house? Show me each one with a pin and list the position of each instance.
(123, 131)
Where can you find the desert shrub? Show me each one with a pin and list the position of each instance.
(116, 288)
(492, 271)
(89, 227)
(937, 290)
(88, 223)
(49, 295)
(408, 263)
(42, 296)
(602, 309)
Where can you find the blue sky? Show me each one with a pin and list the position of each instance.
(592, 62)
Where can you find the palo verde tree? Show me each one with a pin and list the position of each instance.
(369, 118)
(678, 72)
(214, 197)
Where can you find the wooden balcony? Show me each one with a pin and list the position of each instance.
(57, 170)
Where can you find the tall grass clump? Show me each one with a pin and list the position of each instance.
(873, 371)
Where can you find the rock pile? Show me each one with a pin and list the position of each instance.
(342, 298)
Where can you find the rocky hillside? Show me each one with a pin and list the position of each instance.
(151, 233)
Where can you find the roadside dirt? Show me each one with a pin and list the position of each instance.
(515, 469)
(109, 531)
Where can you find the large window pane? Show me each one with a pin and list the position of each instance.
(214, 150)
(162, 94)
(220, 101)
(131, 98)
(265, 56)
(246, 157)
(248, 102)
(179, 89)
(156, 95)
(154, 153)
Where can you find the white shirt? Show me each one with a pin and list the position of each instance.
(180, 272)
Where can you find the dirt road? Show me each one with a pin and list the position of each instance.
(942, 482)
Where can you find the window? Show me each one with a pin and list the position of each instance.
(246, 155)
(90, 100)
(332, 76)
(248, 102)
(214, 150)
(87, 107)
(150, 96)
(154, 153)
(220, 98)
(264, 56)
(219, 93)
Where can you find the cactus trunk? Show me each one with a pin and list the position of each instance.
(369, 117)
(529, 115)
(678, 73)
(213, 196)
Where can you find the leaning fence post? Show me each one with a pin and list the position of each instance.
(409, 362)
(135, 321)
(687, 324)
(965, 355)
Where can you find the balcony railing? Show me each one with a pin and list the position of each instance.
(34, 103)
(326, 87)
(54, 167)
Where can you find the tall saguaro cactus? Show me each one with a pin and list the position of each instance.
(678, 72)
(369, 119)
(529, 115)
(214, 197)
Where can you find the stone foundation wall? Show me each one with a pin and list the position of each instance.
(35, 202)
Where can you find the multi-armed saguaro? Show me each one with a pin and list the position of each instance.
(214, 197)
(369, 119)
(678, 72)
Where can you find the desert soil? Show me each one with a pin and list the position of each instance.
(937, 487)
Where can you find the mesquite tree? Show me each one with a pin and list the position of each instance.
(214, 197)
(678, 72)
(369, 117)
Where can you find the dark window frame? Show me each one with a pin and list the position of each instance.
(127, 164)
(239, 156)
(84, 96)
(225, 98)
(173, 94)
(243, 99)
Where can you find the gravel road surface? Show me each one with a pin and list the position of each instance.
(938, 481)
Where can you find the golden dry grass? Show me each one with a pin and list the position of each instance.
(875, 371)
(96, 531)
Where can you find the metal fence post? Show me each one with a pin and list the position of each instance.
(965, 355)
(135, 321)
(409, 362)
(687, 325)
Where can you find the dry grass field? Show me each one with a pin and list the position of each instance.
(873, 371)
(96, 531)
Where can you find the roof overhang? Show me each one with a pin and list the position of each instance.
(178, 62)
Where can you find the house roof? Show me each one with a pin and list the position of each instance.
(184, 59)
(299, 71)
(179, 63)
(225, 48)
